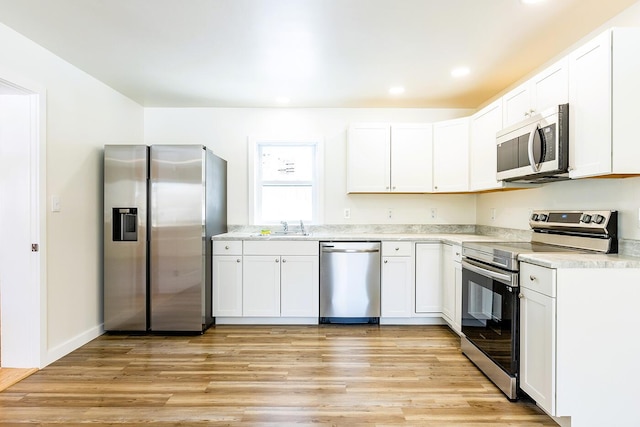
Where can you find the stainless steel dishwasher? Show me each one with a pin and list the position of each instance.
(349, 282)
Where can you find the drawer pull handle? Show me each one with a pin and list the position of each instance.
(386, 261)
(521, 295)
(397, 249)
(226, 247)
(238, 260)
(277, 260)
(532, 278)
(284, 260)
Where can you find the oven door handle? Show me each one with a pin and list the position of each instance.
(507, 279)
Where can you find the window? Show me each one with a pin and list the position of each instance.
(286, 183)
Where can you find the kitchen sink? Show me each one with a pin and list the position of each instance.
(287, 234)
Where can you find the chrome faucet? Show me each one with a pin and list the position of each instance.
(302, 231)
(285, 226)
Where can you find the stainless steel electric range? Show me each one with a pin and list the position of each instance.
(490, 285)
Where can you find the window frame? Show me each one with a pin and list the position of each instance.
(254, 202)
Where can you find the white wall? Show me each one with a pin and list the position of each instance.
(83, 114)
(512, 207)
(226, 131)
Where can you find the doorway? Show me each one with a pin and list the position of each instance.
(22, 225)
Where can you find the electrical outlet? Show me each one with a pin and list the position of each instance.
(493, 214)
(389, 213)
(347, 213)
(434, 213)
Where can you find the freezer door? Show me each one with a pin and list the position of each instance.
(177, 257)
(125, 237)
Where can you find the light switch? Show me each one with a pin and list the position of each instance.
(55, 204)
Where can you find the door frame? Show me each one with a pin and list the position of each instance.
(29, 350)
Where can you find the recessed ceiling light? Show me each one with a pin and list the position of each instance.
(460, 72)
(396, 90)
(282, 100)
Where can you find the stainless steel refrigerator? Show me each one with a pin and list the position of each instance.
(162, 204)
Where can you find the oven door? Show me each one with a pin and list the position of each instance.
(490, 312)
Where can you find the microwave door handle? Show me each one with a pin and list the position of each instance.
(535, 166)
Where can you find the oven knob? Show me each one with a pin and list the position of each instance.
(534, 217)
(598, 219)
(542, 217)
(586, 218)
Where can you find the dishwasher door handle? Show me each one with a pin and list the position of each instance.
(350, 251)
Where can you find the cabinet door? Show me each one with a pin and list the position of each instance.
(261, 286)
(537, 348)
(368, 158)
(412, 158)
(485, 124)
(428, 278)
(551, 87)
(227, 285)
(299, 286)
(451, 156)
(457, 307)
(397, 285)
(590, 108)
(448, 283)
(517, 105)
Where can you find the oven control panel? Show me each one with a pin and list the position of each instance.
(595, 222)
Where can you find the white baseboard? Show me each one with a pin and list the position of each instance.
(412, 321)
(266, 320)
(74, 343)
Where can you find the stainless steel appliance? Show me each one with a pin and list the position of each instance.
(162, 204)
(349, 282)
(490, 285)
(536, 149)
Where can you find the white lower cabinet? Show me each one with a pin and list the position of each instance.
(299, 286)
(538, 335)
(397, 279)
(452, 285)
(266, 279)
(261, 286)
(227, 278)
(428, 278)
(578, 352)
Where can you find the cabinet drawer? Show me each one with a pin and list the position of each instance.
(281, 247)
(397, 248)
(227, 247)
(539, 279)
(456, 253)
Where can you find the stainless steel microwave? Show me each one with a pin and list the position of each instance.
(536, 149)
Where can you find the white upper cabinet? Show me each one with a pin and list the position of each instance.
(411, 158)
(604, 89)
(547, 89)
(369, 158)
(482, 147)
(383, 158)
(451, 156)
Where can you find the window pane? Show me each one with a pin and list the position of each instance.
(284, 203)
(287, 163)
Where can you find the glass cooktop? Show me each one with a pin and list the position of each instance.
(505, 254)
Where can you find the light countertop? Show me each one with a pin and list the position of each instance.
(549, 260)
(414, 237)
(580, 260)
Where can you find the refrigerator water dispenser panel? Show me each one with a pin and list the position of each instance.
(125, 224)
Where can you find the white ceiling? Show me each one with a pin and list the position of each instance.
(318, 53)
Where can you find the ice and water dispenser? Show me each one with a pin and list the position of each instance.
(125, 224)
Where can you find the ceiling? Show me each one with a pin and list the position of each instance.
(317, 53)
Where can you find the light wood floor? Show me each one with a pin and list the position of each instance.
(339, 375)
